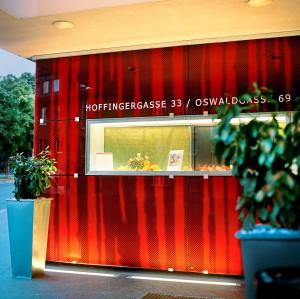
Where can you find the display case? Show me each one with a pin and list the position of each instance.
(157, 146)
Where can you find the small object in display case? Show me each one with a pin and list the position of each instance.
(142, 163)
(103, 161)
(175, 160)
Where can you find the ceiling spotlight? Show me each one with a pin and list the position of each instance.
(257, 3)
(63, 24)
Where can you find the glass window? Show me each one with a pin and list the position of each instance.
(43, 116)
(139, 148)
(56, 85)
(45, 87)
(160, 145)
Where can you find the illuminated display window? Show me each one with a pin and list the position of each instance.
(155, 146)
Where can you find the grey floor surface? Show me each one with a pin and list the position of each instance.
(74, 285)
(6, 189)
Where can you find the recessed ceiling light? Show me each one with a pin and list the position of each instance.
(63, 24)
(257, 3)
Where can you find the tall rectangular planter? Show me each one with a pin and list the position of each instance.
(28, 221)
(267, 248)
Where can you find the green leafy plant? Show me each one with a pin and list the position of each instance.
(33, 174)
(265, 157)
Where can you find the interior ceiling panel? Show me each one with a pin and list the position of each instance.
(137, 25)
(37, 8)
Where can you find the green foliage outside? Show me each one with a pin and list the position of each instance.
(16, 116)
(266, 159)
(32, 174)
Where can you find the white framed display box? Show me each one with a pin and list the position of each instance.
(145, 145)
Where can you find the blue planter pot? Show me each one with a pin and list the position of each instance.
(28, 222)
(265, 248)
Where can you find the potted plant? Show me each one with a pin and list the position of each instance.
(265, 157)
(28, 213)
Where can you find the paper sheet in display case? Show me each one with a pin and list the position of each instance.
(103, 162)
(175, 160)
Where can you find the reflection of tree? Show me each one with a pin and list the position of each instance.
(16, 115)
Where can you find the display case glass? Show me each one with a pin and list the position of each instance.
(157, 146)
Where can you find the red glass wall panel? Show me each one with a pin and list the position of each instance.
(212, 222)
(151, 222)
(185, 223)
(229, 69)
(179, 73)
(66, 140)
(66, 103)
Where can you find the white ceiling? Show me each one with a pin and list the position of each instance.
(38, 8)
(139, 25)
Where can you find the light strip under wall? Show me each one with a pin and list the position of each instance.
(151, 278)
(80, 273)
(210, 282)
